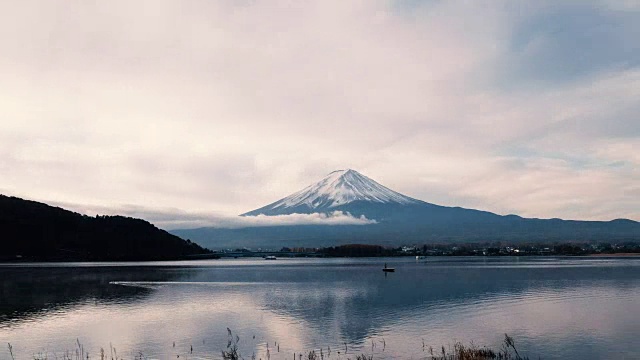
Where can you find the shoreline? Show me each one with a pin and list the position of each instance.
(616, 255)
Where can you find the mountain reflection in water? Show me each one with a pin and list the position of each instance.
(552, 307)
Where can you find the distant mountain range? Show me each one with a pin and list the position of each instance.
(31, 230)
(399, 220)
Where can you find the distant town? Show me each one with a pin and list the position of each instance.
(473, 249)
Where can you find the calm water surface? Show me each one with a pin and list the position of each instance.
(554, 307)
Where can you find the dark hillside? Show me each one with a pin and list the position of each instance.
(38, 231)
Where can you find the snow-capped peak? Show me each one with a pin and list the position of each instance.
(339, 188)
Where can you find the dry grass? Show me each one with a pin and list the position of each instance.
(458, 351)
(472, 352)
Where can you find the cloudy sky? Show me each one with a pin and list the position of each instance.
(219, 107)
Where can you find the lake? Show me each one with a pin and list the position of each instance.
(553, 307)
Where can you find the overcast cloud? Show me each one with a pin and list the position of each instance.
(220, 107)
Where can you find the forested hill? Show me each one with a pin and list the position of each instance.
(35, 231)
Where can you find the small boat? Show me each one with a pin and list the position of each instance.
(388, 269)
(270, 257)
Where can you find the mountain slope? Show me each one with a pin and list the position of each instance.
(511, 230)
(38, 231)
(399, 220)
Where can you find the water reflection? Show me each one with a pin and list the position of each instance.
(28, 293)
(553, 307)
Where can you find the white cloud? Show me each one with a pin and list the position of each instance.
(333, 218)
(170, 218)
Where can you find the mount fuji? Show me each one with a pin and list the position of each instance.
(349, 191)
(396, 219)
(340, 190)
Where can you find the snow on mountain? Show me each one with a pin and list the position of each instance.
(339, 188)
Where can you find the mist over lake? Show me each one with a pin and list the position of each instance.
(552, 307)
